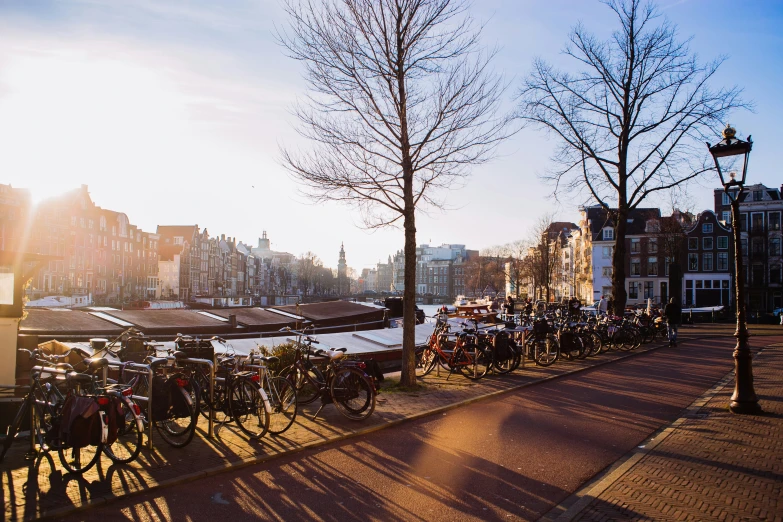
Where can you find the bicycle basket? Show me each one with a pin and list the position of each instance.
(135, 350)
(197, 348)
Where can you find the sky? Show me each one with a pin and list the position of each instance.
(174, 113)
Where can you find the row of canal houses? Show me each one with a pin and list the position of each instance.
(98, 252)
(701, 245)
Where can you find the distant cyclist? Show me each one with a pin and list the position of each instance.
(673, 315)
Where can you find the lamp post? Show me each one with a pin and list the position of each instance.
(726, 152)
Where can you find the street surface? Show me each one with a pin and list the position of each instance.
(508, 458)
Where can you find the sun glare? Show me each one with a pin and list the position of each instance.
(66, 119)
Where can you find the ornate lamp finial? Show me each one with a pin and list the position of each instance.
(729, 132)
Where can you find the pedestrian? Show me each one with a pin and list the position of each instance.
(528, 307)
(508, 306)
(673, 315)
(603, 305)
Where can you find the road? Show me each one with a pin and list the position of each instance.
(509, 458)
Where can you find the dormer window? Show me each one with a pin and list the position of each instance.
(608, 234)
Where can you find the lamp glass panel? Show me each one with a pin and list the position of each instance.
(6, 286)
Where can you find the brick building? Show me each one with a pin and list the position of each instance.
(760, 213)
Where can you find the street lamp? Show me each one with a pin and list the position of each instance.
(725, 152)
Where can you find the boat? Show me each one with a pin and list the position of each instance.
(479, 310)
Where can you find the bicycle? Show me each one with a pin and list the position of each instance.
(342, 383)
(280, 392)
(463, 355)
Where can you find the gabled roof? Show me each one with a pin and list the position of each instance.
(599, 219)
(186, 231)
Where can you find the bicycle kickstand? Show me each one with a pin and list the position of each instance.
(319, 411)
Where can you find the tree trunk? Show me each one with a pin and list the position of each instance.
(619, 295)
(408, 375)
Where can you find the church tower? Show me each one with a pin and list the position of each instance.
(342, 273)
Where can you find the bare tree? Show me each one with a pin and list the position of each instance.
(401, 103)
(515, 254)
(546, 256)
(632, 120)
(307, 268)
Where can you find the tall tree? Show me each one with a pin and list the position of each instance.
(307, 267)
(632, 118)
(401, 103)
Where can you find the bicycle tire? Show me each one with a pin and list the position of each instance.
(79, 460)
(473, 360)
(426, 359)
(550, 352)
(306, 389)
(282, 402)
(13, 429)
(178, 432)
(247, 402)
(352, 393)
(593, 342)
(129, 438)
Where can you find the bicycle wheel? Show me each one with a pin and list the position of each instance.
(353, 393)
(282, 402)
(179, 431)
(547, 351)
(129, 437)
(308, 384)
(79, 460)
(592, 343)
(247, 402)
(473, 360)
(426, 358)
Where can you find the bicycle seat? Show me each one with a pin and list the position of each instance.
(155, 362)
(270, 359)
(179, 354)
(79, 378)
(63, 366)
(340, 350)
(229, 361)
(95, 364)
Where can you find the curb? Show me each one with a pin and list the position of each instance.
(216, 470)
(572, 506)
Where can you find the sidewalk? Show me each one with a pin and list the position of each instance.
(31, 490)
(708, 465)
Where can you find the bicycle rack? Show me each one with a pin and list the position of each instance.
(211, 366)
(137, 368)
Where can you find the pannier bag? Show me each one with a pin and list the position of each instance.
(502, 349)
(541, 328)
(85, 422)
(168, 402)
(568, 342)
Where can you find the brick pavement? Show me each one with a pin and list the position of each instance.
(31, 490)
(708, 465)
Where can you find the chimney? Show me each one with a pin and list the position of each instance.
(222, 237)
(232, 320)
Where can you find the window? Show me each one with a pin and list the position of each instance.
(774, 246)
(693, 243)
(699, 283)
(706, 243)
(706, 228)
(723, 261)
(774, 274)
(757, 245)
(73, 220)
(707, 262)
(727, 216)
(725, 200)
(608, 234)
(633, 290)
(636, 246)
(606, 252)
(774, 220)
(652, 266)
(757, 221)
(635, 266)
(744, 246)
(723, 242)
(743, 222)
(666, 262)
(648, 290)
(757, 196)
(606, 271)
(652, 246)
(693, 262)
